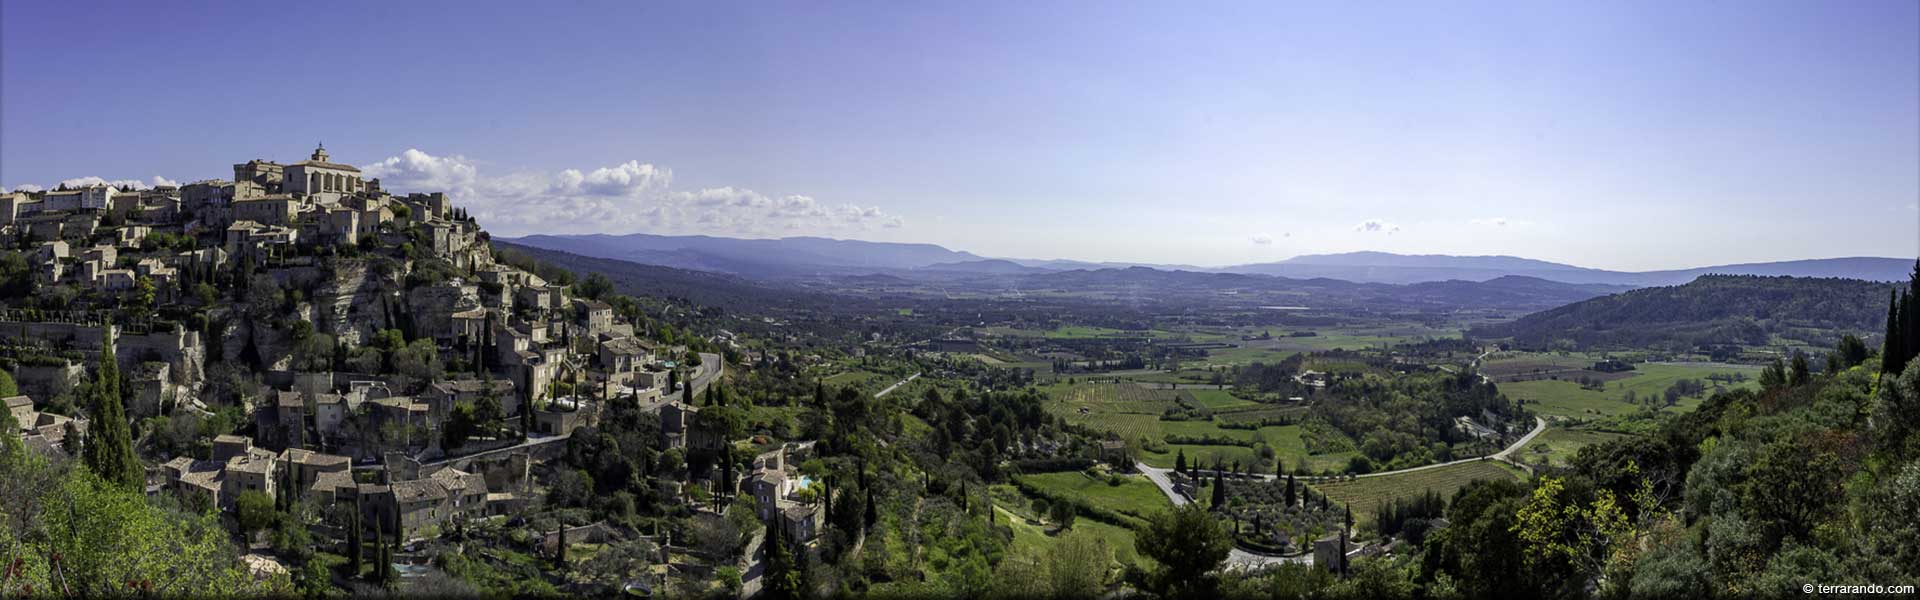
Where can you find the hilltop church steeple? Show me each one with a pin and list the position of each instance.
(320, 153)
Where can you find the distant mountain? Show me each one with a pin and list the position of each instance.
(750, 257)
(1383, 267)
(813, 257)
(701, 287)
(1711, 310)
(995, 266)
(1253, 291)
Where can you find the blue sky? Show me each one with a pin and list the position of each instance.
(1630, 135)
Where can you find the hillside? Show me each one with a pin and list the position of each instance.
(1711, 310)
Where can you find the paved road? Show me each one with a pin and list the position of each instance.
(896, 385)
(1241, 559)
(711, 366)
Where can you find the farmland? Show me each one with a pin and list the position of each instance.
(1564, 398)
(1133, 413)
(1365, 493)
(1135, 496)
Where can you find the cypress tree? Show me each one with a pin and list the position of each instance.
(1904, 324)
(872, 514)
(109, 449)
(1219, 491)
(355, 542)
(781, 581)
(1180, 461)
(1291, 492)
(380, 564)
(1893, 350)
(1910, 328)
(560, 550)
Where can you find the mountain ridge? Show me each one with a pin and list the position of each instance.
(775, 258)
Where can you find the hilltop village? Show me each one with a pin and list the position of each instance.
(295, 382)
(300, 335)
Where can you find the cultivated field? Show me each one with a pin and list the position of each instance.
(1134, 497)
(1363, 494)
(1133, 412)
(1567, 399)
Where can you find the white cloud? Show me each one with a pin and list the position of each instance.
(631, 196)
(1263, 240)
(92, 180)
(1376, 226)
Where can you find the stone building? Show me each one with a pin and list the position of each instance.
(321, 180)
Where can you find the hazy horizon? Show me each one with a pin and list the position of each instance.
(1631, 136)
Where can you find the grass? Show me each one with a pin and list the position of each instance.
(1567, 399)
(1556, 446)
(851, 378)
(1133, 412)
(1031, 532)
(1363, 494)
(1135, 496)
(1219, 400)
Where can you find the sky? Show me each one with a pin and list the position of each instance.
(1624, 135)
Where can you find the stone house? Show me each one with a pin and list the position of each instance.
(442, 396)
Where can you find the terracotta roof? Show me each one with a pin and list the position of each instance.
(418, 490)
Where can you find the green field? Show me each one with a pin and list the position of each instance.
(1567, 399)
(1220, 400)
(1556, 446)
(852, 378)
(1133, 412)
(1032, 531)
(1077, 331)
(1136, 497)
(1364, 493)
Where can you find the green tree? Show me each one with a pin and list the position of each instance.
(356, 544)
(594, 286)
(87, 536)
(1774, 375)
(1063, 514)
(1077, 565)
(1800, 374)
(254, 510)
(461, 424)
(140, 304)
(1188, 543)
(1893, 350)
(1851, 351)
(109, 449)
(784, 580)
